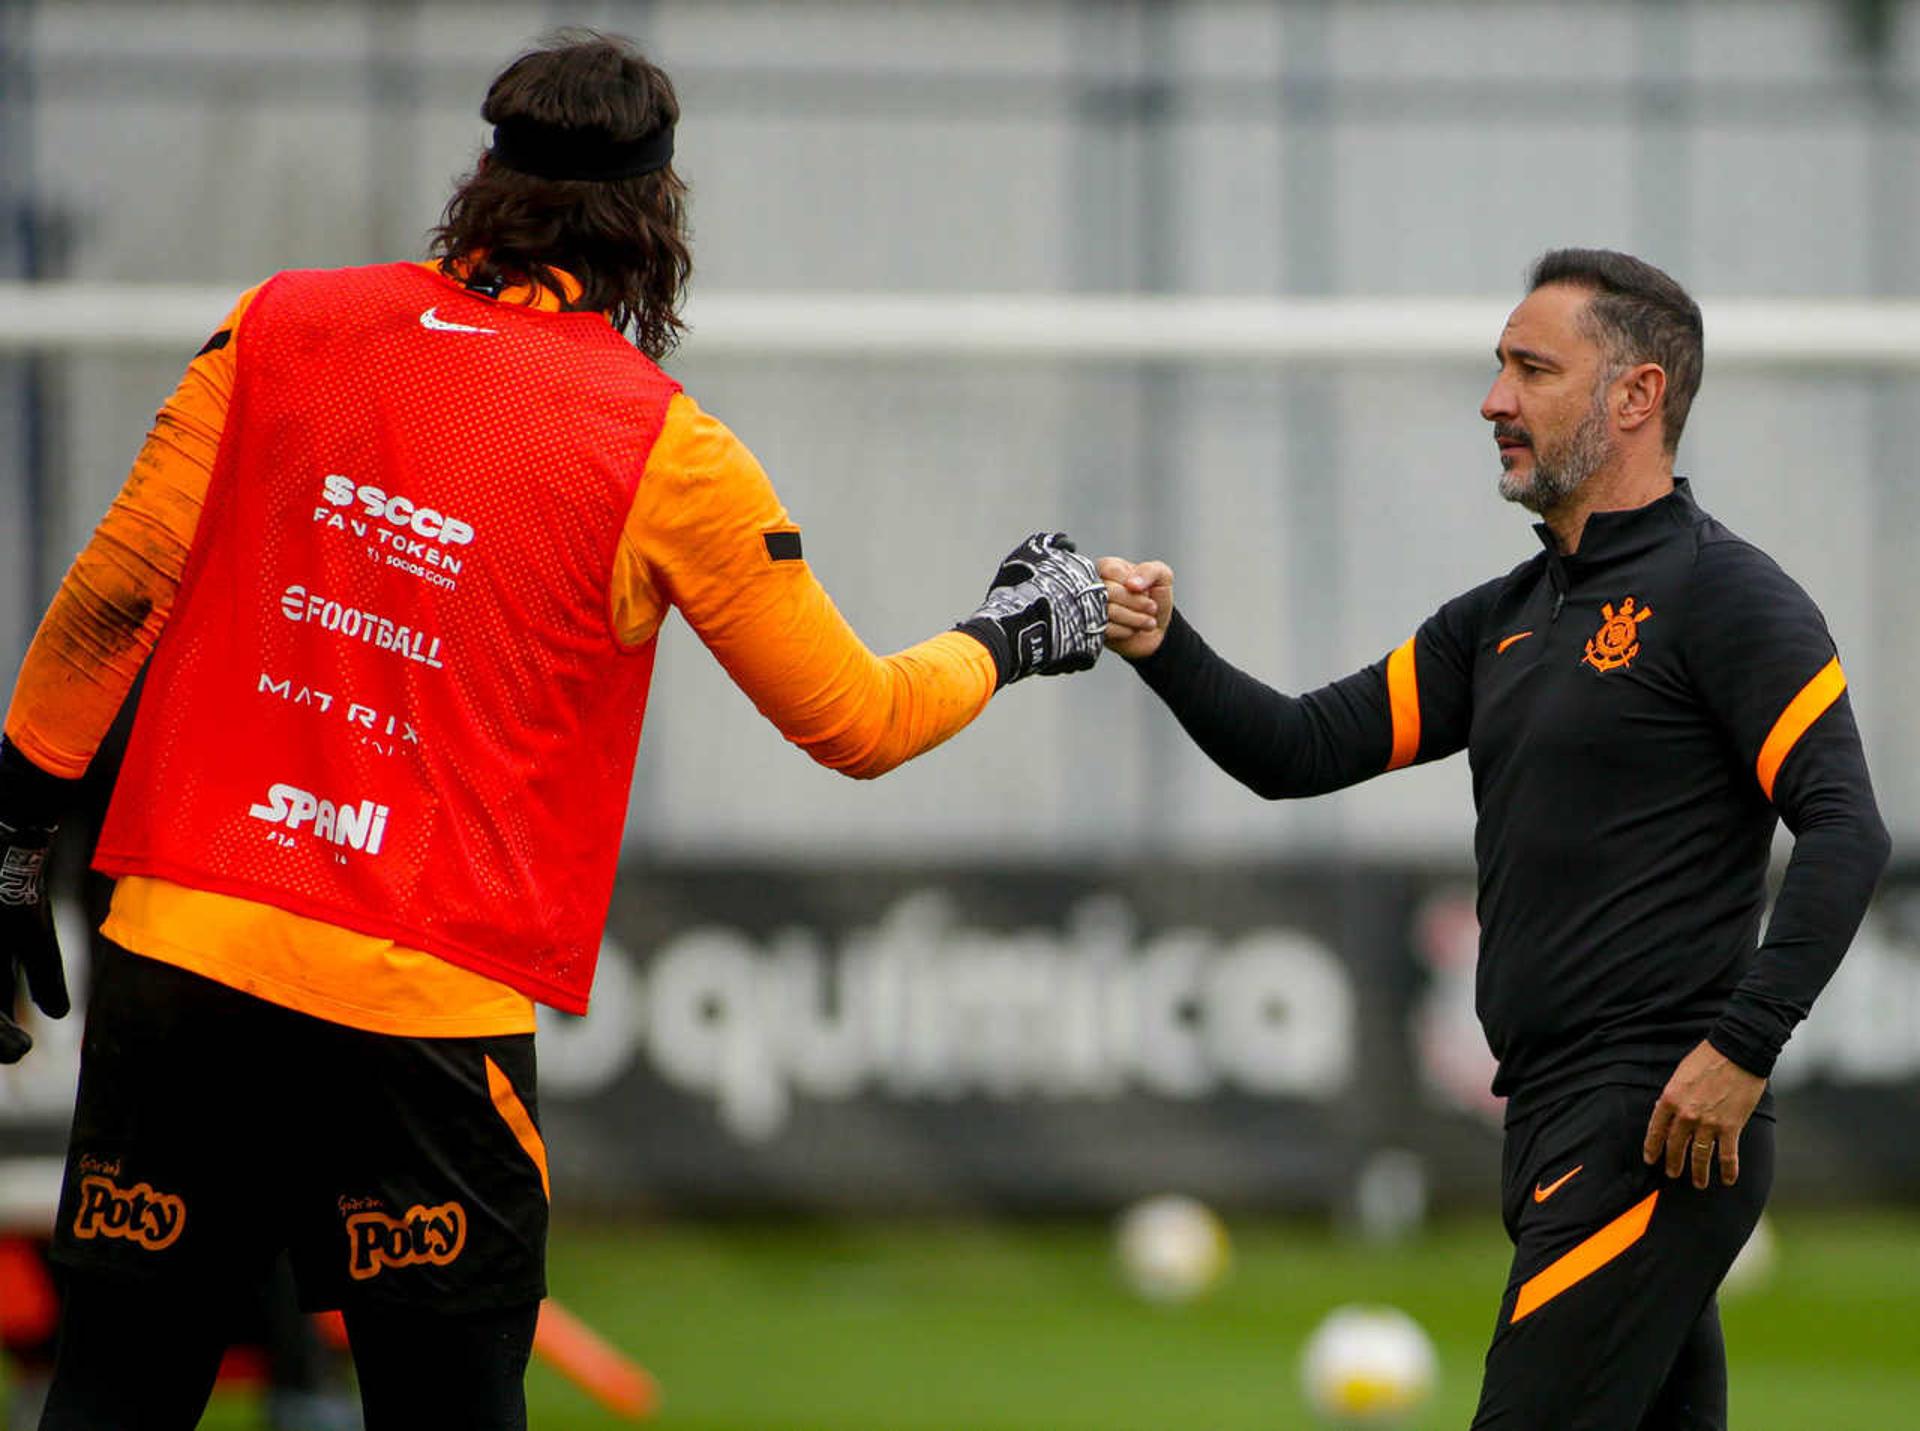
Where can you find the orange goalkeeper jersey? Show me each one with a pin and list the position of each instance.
(696, 538)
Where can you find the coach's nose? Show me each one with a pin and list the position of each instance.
(1501, 404)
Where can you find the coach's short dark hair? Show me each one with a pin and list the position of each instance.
(624, 240)
(1638, 315)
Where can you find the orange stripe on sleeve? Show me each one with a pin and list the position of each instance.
(1586, 1259)
(1801, 712)
(519, 1120)
(1403, 696)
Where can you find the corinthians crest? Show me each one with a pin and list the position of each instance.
(1617, 641)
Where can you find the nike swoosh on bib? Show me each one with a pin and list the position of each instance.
(442, 325)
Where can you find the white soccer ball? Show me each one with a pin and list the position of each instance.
(1367, 1366)
(1171, 1248)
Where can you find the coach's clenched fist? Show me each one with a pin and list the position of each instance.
(1139, 605)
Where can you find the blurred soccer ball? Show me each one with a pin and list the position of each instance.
(1367, 1366)
(1171, 1247)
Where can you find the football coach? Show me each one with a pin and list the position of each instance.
(1641, 701)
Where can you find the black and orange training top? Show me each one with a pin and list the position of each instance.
(1637, 716)
(706, 535)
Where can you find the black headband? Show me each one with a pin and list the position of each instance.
(551, 151)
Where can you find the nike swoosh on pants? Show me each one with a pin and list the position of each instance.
(1541, 1194)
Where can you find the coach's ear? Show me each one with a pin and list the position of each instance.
(1637, 396)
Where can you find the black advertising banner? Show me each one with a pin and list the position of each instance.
(1271, 1036)
(980, 1038)
(912, 1037)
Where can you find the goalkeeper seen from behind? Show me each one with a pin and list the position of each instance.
(404, 537)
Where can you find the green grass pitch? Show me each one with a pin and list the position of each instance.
(1024, 1327)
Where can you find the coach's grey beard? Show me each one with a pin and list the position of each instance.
(1557, 475)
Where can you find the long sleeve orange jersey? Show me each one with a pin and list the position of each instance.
(695, 539)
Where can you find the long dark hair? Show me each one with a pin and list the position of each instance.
(623, 240)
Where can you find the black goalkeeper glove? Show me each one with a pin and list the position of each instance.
(1045, 613)
(27, 942)
(28, 796)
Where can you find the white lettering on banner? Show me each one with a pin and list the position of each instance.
(360, 826)
(396, 730)
(299, 604)
(398, 511)
(922, 1006)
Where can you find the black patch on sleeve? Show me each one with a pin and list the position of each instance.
(782, 546)
(216, 342)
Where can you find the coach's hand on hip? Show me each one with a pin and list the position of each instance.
(27, 942)
(1139, 605)
(1703, 1108)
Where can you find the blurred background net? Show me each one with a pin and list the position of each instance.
(965, 270)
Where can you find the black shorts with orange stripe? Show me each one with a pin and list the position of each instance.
(214, 1129)
(1610, 1322)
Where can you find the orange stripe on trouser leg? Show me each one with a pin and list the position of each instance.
(1801, 712)
(1586, 1259)
(1403, 699)
(508, 1103)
